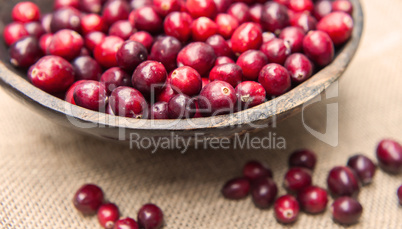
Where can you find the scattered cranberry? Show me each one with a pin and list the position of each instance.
(25, 52)
(254, 170)
(178, 25)
(14, 32)
(66, 43)
(363, 167)
(197, 55)
(34, 29)
(389, 156)
(263, 192)
(86, 68)
(303, 158)
(122, 29)
(250, 94)
(93, 39)
(128, 102)
(240, 11)
(246, 36)
(346, 210)
(147, 19)
(399, 193)
(202, 28)
(149, 77)
(217, 97)
(275, 79)
(115, 77)
(66, 18)
(297, 178)
(88, 199)
(235, 189)
(223, 60)
(322, 8)
(164, 7)
(186, 80)
(230, 73)
(338, 25)
(343, 6)
(150, 216)
(286, 209)
(130, 55)
(227, 24)
(91, 95)
(313, 199)
(276, 50)
(300, 67)
(25, 12)
(114, 11)
(144, 38)
(201, 8)
(57, 4)
(274, 17)
(165, 50)
(159, 110)
(301, 5)
(319, 47)
(294, 36)
(342, 181)
(105, 52)
(181, 106)
(108, 214)
(126, 223)
(304, 21)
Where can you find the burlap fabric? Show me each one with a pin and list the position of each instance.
(42, 164)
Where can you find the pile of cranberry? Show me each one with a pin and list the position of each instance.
(164, 59)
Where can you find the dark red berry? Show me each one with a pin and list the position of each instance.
(230, 73)
(149, 77)
(69, 96)
(44, 42)
(240, 11)
(165, 50)
(322, 8)
(150, 216)
(92, 22)
(122, 29)
(66, 18)
(246, 36)
(254, 170)
(34, 29)
(250, 94)
(338, 25)
(144, 38)
(342, 181)
(363, 167)
(294, 36)
(197, 55)
(164, 7)
(202, 28)
(301, 5)
(263, 192)
(313, 199)
(93, 39)
(235, 189)
(114, 11)
(147, 19)
(343, 6)
(105, 52)
(251, 62)
(91, 6)
(300, 67)
(88, 199)
(115, 77)
(25, 52)
(205, 81)
(319, 47)
(346, 210)
(14, 32)
(186, 80)
(128, 102)
(108, 214)
(227, 24)
(220, 46)
(303, 158)
(25, 12)
(178, 25)
(66, 43)
(297, 178)
(274, 17)
(125, 223)
(286, 209)
(217, 97)
(166, 94)
(275, 79)
(304, 21)
(57, 4)
(159, 110)
(86, 68)
(399, 194)
(200, 8)
(181, 107)
(91, 94)
(222, 5)
(255, 12)
(223, 60)
(389, 156)
(130, 55)
(276, 50)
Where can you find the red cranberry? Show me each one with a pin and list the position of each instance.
(164, 7)
(246, 36)
(205, 81)
(263, 192)
(149, 77)
(202, 28)
(186, 80)
(389, 156)
(217, 97)
(267, 36)
(45, 22)
(144, 38)
(93, 39)
(52, 74)
(220, 46)
(297, 178)
(235, 189)
(322, 8)
(300, 67)
(200, 8)
(254, 170)
(136, 4)
(294, 37)
(114, 11)
(130, 55)
(286, 209)
(313, 199)
(277, 50)
(301, 5)
(274, 17)
(86, 68)
(178, 25)
(230, 73)
(105, 52)
(91, 95)
(147, 19)
(250, 94)
(166, 94)
(304, 21)
(88, 199)
(66, 18)
(343, 6)
(14, 32)
(92, 22)
(25, 52)
(319, 47)
(223, 60)
(122, 29)
(275, 79)
(25, 12)
(181, 106)
(399, 194)
(227, 24)
(303, 158)
(159, 110)
(44, 42)
(58, 4)
(346, 210)
(128, 102)
(150, 216)
(255, 12)
(342, 181)
(126, 223)
(91, 6)
(240, 11)
(338, 25)
(66, 43)
(34, 29)
(222, 5)
(363, 167)
(165, 50)
(69, 97)
(115, 77)
(108, 214)
(197, 55)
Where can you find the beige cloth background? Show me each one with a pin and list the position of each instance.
(42, 164)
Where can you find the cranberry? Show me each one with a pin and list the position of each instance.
(93, 39)
(147, 19)
(246, 36)
(205, 81)
(34, 29)
(255, 12)
(122, 29)
(342, 181)
(165, 50)
(294, 37)
(91, 6)
(69, 97)
(343, 6)
(197, 55)
(286, 209)
(274, 17)
(115, 77)
(136, 4)
(389, 156)
(230, 73)
(250, 94)
(66, 18)
(25, 52)
(240, 11)
(86, 68)
(164, 7)
(227, 24)
(235, 189)
(223, 60)
(178, 25)
(301, 5)
(66, 43)
(297, 178)
(25, 12)
(114, 11)
(319, 47)
(322, 8)
(200, 8)
(338, 25)
(105, 52)
(108, 214)
(254, 170)
(58, 4)
(88, 199)
(130, 55)
(44, 42)
(91, 95)
(363, 167)
(144, 38)
(304, 21)
(263, 192)
(267, 36)
(346, 210)
(159, 110)
(186, 80)
(220, 46)
(275, 79)
(52, 74)
(45, 22)
(126, 223)
(202, 28)
(150, 216)
(149, 77)
(128, 102)
(300, 67)
(303, 158)
(313, 199)
(92, 22)
(181, 106)
(222, 5)
(277, 50)
(399, 194)
(217, 97)
(14, 32)
(166, 94)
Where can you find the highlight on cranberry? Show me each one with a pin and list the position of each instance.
(261, 49)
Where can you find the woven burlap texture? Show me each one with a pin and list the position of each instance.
(42, 164)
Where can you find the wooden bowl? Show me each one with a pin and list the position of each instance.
(111, 127)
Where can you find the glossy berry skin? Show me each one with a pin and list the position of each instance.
(166, 94)
(304, 21)
(178, 25)
(86, 68)
(254, 170)
(297, 178)
(313, 199)
(363, 167)
(286, 209)
(105, 52)
(159, 110)
(389, 156)
(276, 50)
(126, 223)
(57, 4)
(220, 46)
(343, 6)
(92, 22)
(144, 38)
(128, 102)
(69, 96)
(93, 39)
(197, 55)
(52, 74)
(91, 95)
(222, 5)
(303, 158)
(115, 77)
(25, 52)
(186, 80)
(34, 29)
(275, 79)
(114, 11)
(44, 42)
(147, 19)
(223, 60)
(66, 43)
(130, 55)
(230, 73)
(217, 97)
(300, 67)
(108, 214)
(136, 4)
(45, 22)
(267, 36)
(150, 216)
(246, 36)
(181, 106)
(342, 181)
(294, 36)
(338, 25)
(165, 50)
(399, 194)
(346, 210)
(66, 18)
(250, 94)
(202, 28)
(255, 12)
(227, 24)
(263, 192)
(149, 77)
(25, 12)
(301, 5)
(322, 8)
(240, 11)
(274, 17)
(236, 189)
(164, 7)
(201, 8)
(14, 32)
(319, 47)
(91, 6)
(122, 29)
(88, 199)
